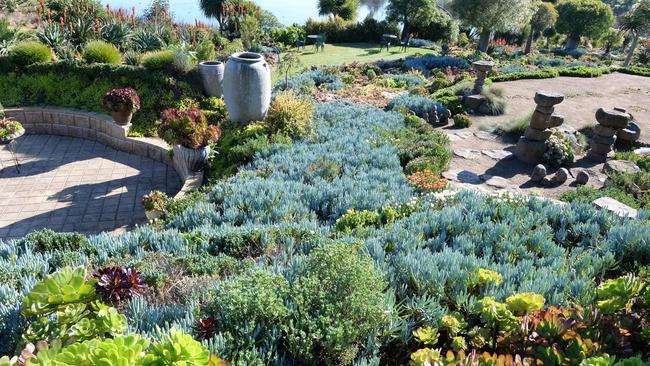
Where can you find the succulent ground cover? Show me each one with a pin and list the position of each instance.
(319, 249)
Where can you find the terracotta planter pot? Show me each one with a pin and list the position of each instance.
(152, 214)
(247, 87)
(212, 77)
(190, 160)
(122, 118)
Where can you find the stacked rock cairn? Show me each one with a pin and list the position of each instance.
(532, 146)
(629, 135)
(610, 121)
(476, 100)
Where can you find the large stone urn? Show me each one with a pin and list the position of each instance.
(247, 87)
(122, 118)
(189, 161)
(212, 77)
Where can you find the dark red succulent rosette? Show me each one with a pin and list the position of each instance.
(122, 100)
(118, 284)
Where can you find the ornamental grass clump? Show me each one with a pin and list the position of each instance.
(30, 52)
(101, 52)
(290, 115)
(122, 100)
(188, 128)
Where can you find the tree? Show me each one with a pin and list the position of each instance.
(588, 18)
(544, 17)
(373, 5)
(229, 13)
(288, 61)
(636, 23)
(437, 26)
(407, 12)
(612, 38)
(346, 9)
(493, 16)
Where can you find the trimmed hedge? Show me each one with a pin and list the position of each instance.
(634, 70)
(77, 85)
(543, 74)
(584, 72)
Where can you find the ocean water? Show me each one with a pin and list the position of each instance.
(186, 11)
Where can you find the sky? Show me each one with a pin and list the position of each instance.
(287, 11)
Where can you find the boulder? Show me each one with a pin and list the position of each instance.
(483, 66)
(474, 101)
(540, 120)
(537, 135)
(539, 173)
(615, 206)
(604, 131)
(630, 133)
(531, 152)
(548, 99)
(620, 166)
(604, 140)
(485, 109)
(561, 175)
(600, 149)
(556, 120)
(582, 177)
(612, 118)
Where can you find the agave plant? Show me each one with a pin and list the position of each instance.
(117, 283)
(143, 41)
(116, 33)
(52, 36)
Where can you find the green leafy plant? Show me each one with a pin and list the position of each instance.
(462, 120)
(426, 335)
(47, 240)
(9, 127)
(57, 291)
(177, 349)
(155, 200)
(101, 52)
(188, 128)
(616, 295)
(158, 60)
(524, 303)
(122, 100)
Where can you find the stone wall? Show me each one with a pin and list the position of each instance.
(101, 128)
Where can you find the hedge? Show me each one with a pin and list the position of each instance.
(543, 74)
(76, 85)
(634, 70)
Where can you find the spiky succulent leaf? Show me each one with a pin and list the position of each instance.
(58, 290)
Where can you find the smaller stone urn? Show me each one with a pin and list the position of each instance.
(189, 161)
(122, 118)
(212, 77)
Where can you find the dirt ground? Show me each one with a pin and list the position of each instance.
(479, 156)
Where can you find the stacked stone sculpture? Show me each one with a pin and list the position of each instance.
(532, 146)
(482, 68)
(476, 101)
(628, 136)
(609, 122)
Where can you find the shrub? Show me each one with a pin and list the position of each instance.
(421, 106)
(188, 128)
(406, 80)
(288, 36)
(462, 120)
(340, 304)
(543, 74)
(584, 72)
(46, 240)
(290, 115)
(633, 70)
(30, 52)
(155, 200)
(9, 127)
(122, 100)
(159, 60)
(205, 50)
(559, 150)
(101, 52)
(425, 63)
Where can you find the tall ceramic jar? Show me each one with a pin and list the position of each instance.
(212, 77)
(247, 87)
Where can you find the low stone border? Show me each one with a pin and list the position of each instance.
(99, 127)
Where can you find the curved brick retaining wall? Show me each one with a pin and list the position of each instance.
(101, 128)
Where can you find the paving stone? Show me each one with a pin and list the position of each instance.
(68, 184)
(494, 181)
(615, 206)
(467, 153)
(483, 135)
(497, 154)
(462, 176)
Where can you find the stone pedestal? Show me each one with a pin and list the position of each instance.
(482, 68)
(532, 146)
(610, 121)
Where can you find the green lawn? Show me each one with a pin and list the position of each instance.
(345, 53)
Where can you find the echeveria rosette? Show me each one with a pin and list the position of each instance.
(122, 100)
(616, 295)
(525, 302)
(117, 284)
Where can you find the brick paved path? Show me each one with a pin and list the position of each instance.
(71, 184)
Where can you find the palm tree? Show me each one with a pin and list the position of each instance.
(636, 23)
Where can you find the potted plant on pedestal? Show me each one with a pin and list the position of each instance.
(10, 130)
(122, 103)
(190, 135)
(154, 204)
